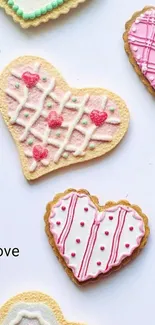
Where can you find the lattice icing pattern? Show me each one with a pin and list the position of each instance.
(93, 242)
(141, 38)
(53, 124)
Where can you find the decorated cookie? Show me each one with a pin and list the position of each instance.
(34, 12)
(92, 240)
(139, 39)
(32, 308)
(54, 125)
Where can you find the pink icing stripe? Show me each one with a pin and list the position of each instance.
(113, 241)
(119, 237)
(85, 273)
(69, 221)
(83, 259)
(92, 248)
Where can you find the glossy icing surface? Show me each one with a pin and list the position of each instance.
(30, 313)
(52, 124)
(141, 38)
(90, 241)
(28, 9)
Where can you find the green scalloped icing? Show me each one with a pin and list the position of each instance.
(54, 4)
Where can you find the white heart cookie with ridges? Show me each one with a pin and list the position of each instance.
(54, 125)
(32, 308)
(139, 39)
(34, 12)
(91, 240)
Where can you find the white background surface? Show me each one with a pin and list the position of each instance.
(87, 47)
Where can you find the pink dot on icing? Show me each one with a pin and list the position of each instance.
(86, 209)
(102, 248)
(73, 254)
(111, 218)
(106, 233)
(82, 224)
(58, 223)
(99, 263)
(78, 241)
(127, 245)
(131, 228)
(63, 208)
(135, 48)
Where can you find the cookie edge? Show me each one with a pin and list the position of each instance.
(100, 208)
(129, 52)
(101, 150)
(35, 297)
(54, 14)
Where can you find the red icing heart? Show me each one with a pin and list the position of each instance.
(54, 120)
(39, 152)
(98, 117)
(30, 79)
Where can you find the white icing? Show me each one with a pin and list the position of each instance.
(66, 239)
(29, 6)
(63, 102)
(30, 313)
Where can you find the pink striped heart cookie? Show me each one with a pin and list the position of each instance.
(91, 240)
(139, 39)
(53, 124)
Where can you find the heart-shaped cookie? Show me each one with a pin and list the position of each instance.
(34, 12)
(89, 239)
(73, 125)
(32, 308)
(139, 39)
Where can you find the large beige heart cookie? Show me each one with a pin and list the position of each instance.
(53, 124)
(33, 12)
(32, 308)
(92, 240)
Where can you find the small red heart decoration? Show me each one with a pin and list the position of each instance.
(54, 120)
(30, 79)
(39, 152)
(98, 117)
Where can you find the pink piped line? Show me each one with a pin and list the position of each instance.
(93, 245)
(68, 223)
(119, 237)
(83, 259)
(89, 250)
(113, 241)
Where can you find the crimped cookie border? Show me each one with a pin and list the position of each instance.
(100, 208)
(100, 150)
(54, 14)
(35, 297)
(129, 52)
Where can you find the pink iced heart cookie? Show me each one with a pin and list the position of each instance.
(30, 79)
(53, 124)
(139, 41)
(90, 240)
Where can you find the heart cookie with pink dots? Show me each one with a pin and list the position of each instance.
(139, 39)
(53, 124)
(34, 12)
(91, 240)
